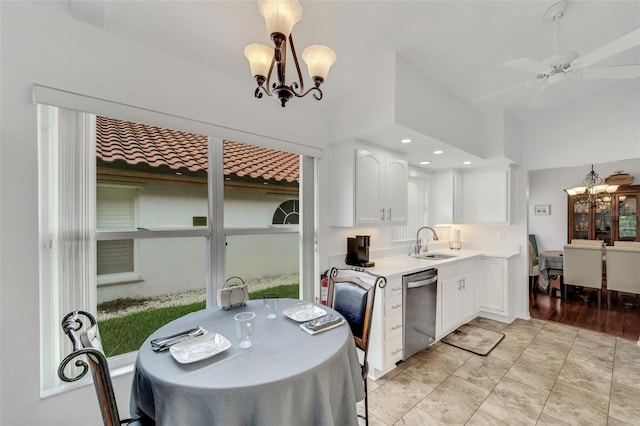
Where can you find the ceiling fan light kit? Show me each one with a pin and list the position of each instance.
(565, 65)
(280, 17)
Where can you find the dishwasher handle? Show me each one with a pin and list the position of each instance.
(422, 283)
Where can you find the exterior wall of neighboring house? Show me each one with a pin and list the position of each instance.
(166, 206)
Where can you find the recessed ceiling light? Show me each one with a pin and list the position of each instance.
(425, 162)
(437, 152)
(466, 163)
(405, 140)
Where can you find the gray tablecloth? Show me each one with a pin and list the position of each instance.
(287, 377)
(550, 263)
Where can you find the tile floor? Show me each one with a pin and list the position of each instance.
(542, 373)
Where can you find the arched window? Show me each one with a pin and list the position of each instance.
(287, 213)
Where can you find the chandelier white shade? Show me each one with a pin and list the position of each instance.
(260, 58)
(280, 17)
(318, 59)
(594, 188)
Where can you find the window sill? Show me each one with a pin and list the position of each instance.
(123, 278)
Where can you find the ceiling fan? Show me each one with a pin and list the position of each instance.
(570, 65)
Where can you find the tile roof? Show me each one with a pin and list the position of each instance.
(140, 144)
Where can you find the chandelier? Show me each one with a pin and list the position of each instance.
(280, 16)
(598, 193)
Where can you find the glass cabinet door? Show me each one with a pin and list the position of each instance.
(580, 228)
(627, 217)
(603, 221)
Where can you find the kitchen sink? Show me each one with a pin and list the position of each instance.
(434, 256)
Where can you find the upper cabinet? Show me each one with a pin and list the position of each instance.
(472, 196)
(485, 196)
(368, 186)
(445, 198)
(614, 218)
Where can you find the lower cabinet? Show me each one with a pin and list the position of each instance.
(385, 345)
(492, 297)
(455, 296)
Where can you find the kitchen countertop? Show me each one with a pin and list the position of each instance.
(405, 264)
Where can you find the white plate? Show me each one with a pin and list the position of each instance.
(303, 312)
(198, 348)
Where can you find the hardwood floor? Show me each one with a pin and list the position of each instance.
(581, 310)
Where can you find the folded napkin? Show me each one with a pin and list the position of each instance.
(324, 323)
(162, 344)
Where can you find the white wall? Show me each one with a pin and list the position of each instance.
(546, 187)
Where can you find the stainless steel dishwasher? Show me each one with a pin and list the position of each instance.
(419, 311)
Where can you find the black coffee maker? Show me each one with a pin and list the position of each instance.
(358, 251)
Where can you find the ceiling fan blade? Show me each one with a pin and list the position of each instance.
(499, 92)
(524, 64)
(610, 73)
(614, 47)
(535, 98)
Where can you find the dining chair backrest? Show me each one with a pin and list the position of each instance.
(626, 244)
(623, 269)
(82, 329)
(353, 298)
(598, 243)
(582, 265)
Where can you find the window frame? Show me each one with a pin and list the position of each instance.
(52, 348)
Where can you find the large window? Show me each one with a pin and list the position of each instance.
(139, 219)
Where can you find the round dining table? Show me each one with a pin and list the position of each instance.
(287, 376)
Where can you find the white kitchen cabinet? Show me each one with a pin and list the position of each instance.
(385, 345)
(445, 198)
(456, 296)
(369, 186)
(493, 296)
(491, 288)
(485, 196)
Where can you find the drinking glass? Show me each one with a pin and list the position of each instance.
(244, 328)
(271, 303)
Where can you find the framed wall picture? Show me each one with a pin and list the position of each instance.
(543, 209)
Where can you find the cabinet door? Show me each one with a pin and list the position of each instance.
(627, 219)
(449, 303)
(489, 285)
(396, 182)
(466, 302)
(368, 193)
(442, 198)
(485, 196)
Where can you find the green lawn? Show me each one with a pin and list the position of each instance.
(125, 334)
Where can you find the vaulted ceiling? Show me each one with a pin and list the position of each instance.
(459, 45)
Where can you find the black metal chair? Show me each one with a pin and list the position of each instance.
(88, 354)
(353, 298)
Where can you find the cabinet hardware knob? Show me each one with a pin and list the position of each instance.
(396, 327)
(396, 306)
(396, 351)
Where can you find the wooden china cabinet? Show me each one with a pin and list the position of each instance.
(614, 219)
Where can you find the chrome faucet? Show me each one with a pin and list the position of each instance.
(418, 246)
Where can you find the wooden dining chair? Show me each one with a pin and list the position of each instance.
(583, 267)
(82, 329)
(623, 270)
(353, 298)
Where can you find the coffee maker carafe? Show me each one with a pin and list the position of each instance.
(358, 251)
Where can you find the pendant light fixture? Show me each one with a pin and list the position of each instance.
(597, 191)
(280, 16)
